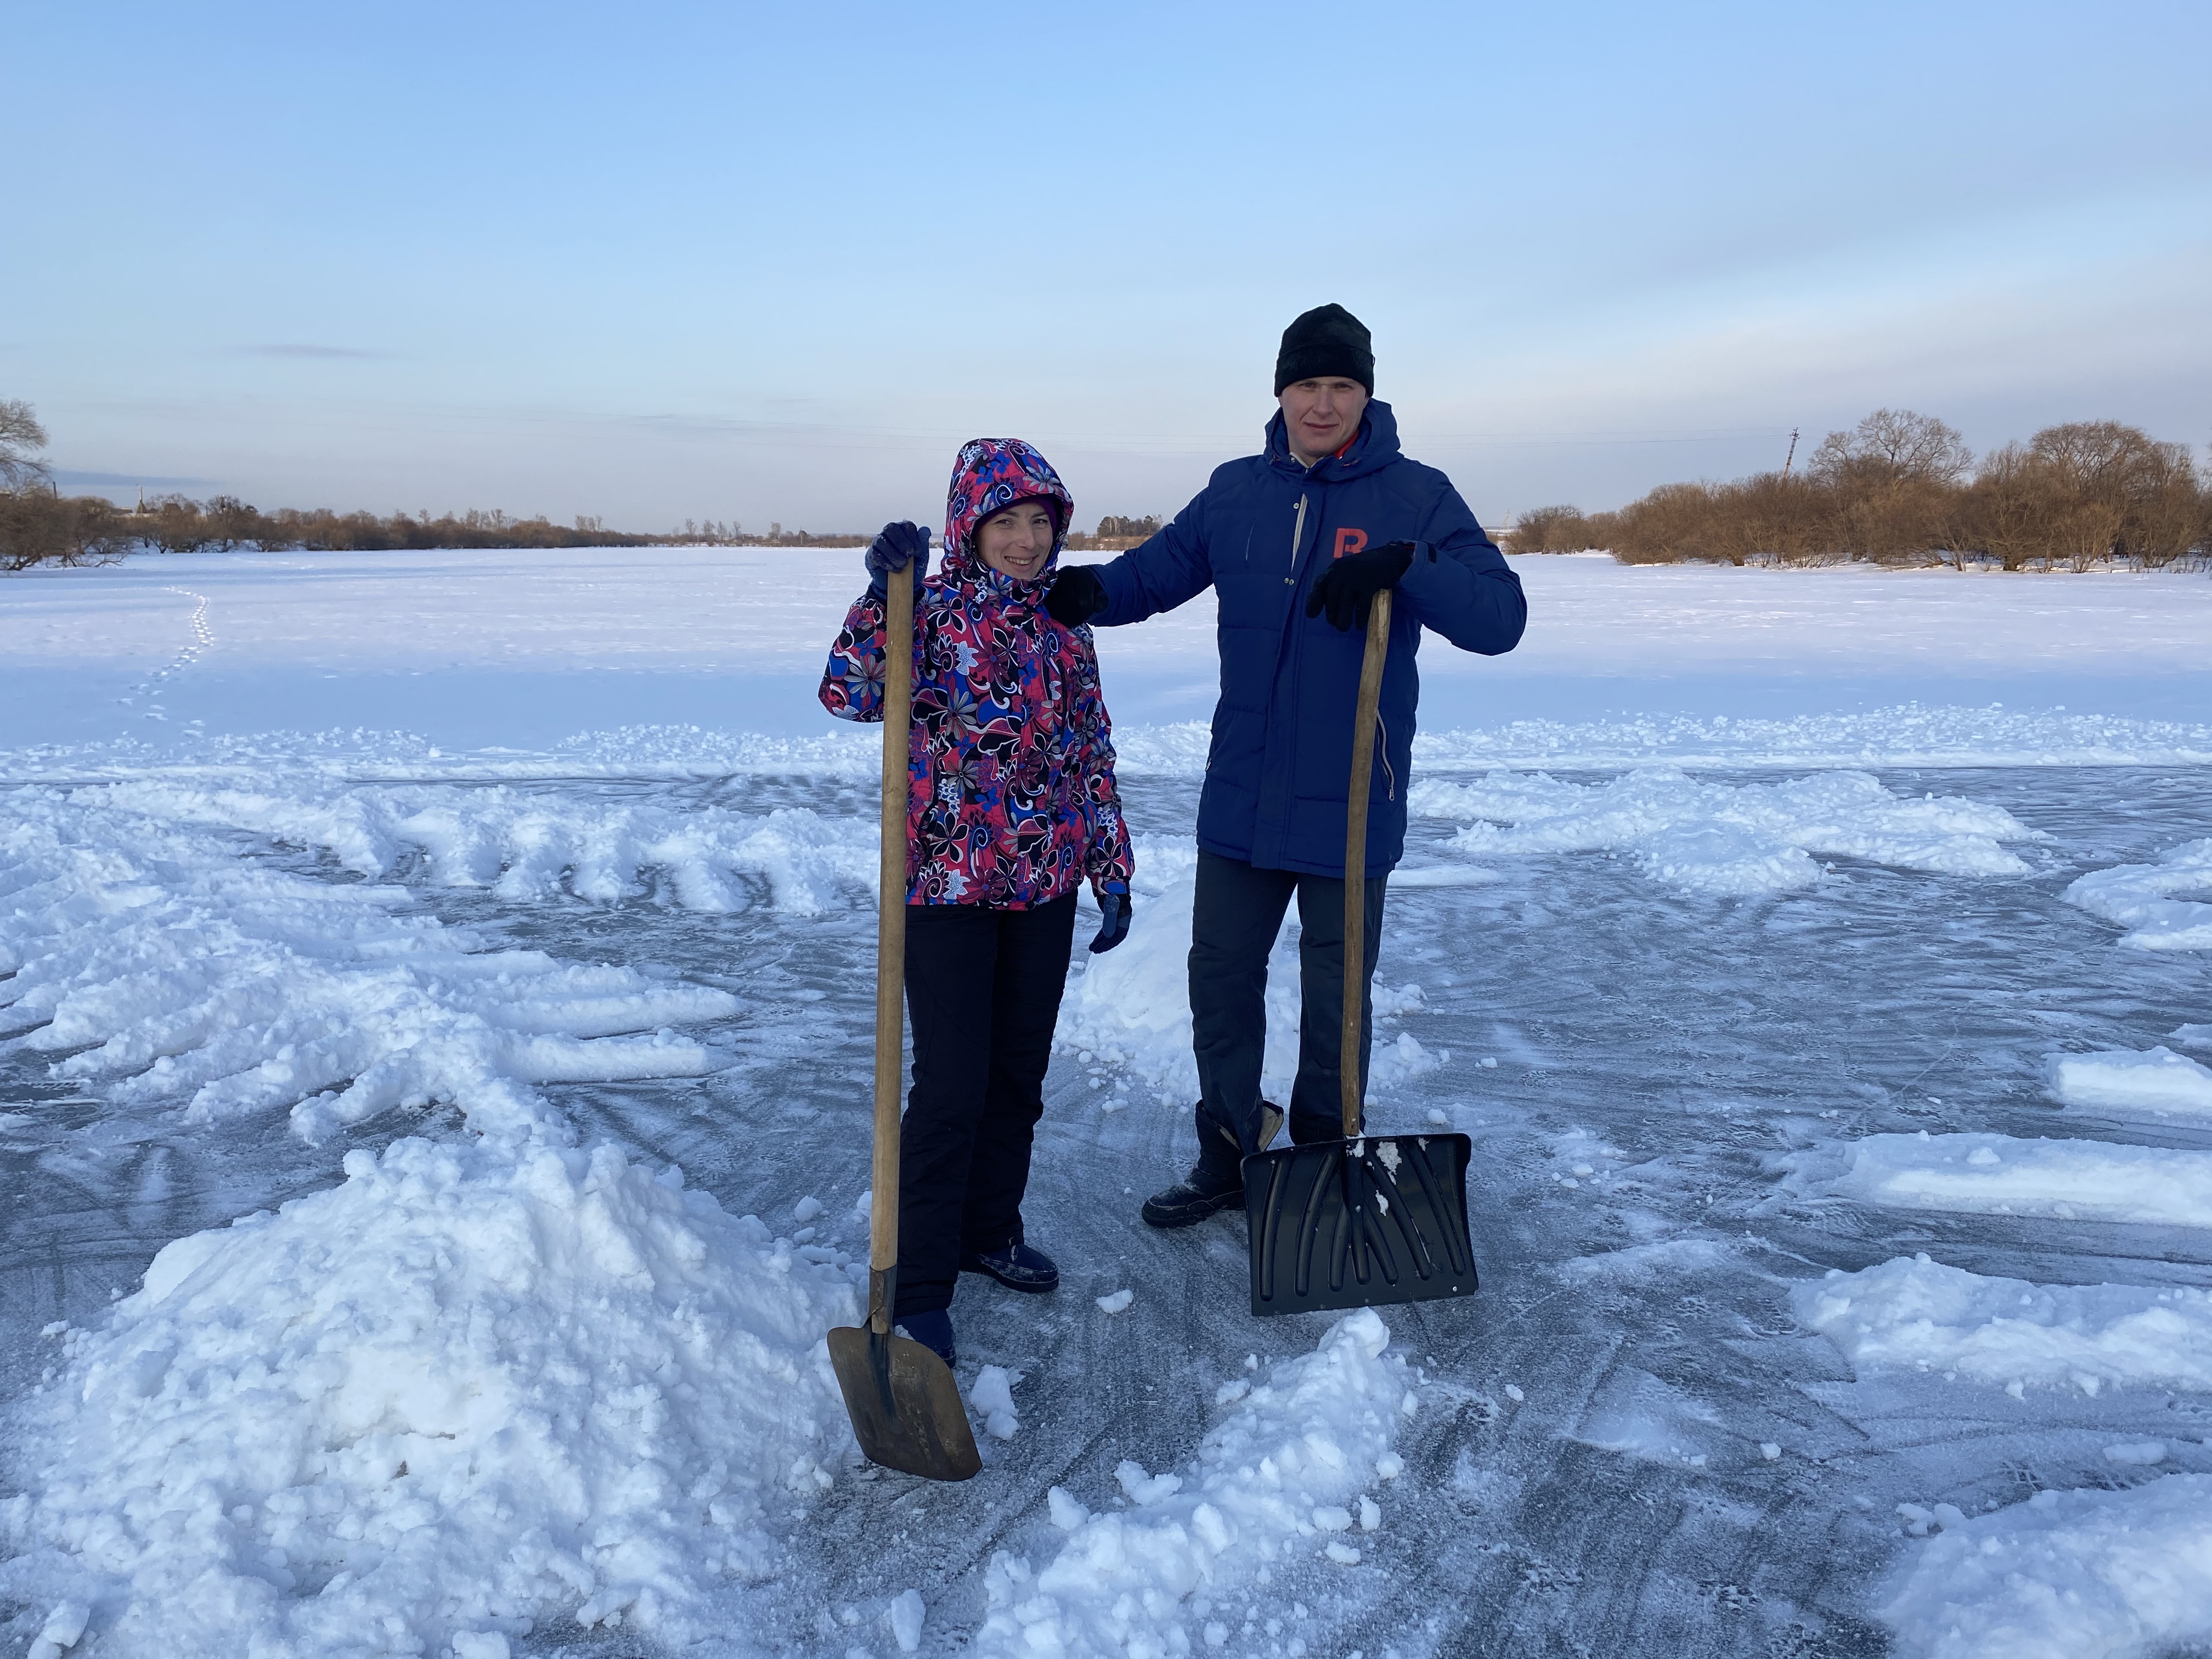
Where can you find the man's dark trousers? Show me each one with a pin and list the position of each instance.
(982, 991)
(1234, 921)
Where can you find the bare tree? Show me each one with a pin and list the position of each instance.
(2127, 496)
(20, 438)
(1891, 479)
(1894, 445)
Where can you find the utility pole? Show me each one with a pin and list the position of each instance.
(1792, 455)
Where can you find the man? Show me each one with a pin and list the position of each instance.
(1296, 543)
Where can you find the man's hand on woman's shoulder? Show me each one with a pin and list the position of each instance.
(1078, 593)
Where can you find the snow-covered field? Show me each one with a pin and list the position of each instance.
(434, 1025)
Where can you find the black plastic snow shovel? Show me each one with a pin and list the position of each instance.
(904, 1405)
(1369, 1219)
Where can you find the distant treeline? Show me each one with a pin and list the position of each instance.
(710, 532)
(1901, 488)
(38, 527)
(1114, 533)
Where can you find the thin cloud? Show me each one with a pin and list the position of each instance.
(307, 350)
(70, 475)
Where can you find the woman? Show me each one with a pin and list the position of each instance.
(1010, 806)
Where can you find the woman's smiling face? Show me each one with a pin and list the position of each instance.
(1017, 540)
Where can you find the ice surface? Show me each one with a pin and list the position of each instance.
(1912, 1311)
(2159, 1082)
(2136, 897)
(2065, 1575)
(566, 852)
(1718, 839)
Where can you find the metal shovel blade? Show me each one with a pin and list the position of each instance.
(1358, 1223)
(904, 1405)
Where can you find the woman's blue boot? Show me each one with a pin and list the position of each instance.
(933, 1330)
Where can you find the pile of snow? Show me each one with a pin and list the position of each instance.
(1728, 840)
(527, 846)
(1280, 1494)
(844, 752)
(1907, 734)
(1131, 1005)
(1913, 1312)
(1999, 1175)
(2160, 1083)
(179, 969)
(2063, 1576)
(2139, 897)
(461, 1392)
(992, 1398)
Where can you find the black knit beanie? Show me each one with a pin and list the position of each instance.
(1326, 341)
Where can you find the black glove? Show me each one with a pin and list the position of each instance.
(895, 547)
(1348, 587)
(1113, 917)
(1076, 594)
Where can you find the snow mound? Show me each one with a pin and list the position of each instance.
(1131, 1005)
(2065, 1575)
(178, 968)
(2138, 897)
(1999, 1175)
(459, 1393)
(844, 753)
(526, 847)
(1269, 1499)
(1913, 1312)
(2160, 1083)
(1726, 839)
(1903, 735)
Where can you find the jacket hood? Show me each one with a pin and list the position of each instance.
(1375, 448)
(990, 476)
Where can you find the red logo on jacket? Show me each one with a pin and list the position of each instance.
(1349, 541)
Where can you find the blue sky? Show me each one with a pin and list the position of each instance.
(775, 263)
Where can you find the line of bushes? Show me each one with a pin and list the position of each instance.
(1901, 488)
(38, 525)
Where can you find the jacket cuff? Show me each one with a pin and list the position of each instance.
(1420, 571)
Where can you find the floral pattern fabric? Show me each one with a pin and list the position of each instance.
(1011, 800)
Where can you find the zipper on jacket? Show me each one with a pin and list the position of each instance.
(1389, 777)
(1297, 536)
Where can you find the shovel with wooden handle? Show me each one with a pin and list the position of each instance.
(904, 1405)
(1369, 1219)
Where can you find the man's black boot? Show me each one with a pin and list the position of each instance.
(1216, 1181)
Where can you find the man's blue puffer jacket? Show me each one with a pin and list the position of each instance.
(1259, 534)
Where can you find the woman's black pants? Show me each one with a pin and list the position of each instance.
(982, 992)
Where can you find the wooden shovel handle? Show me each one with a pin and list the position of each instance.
(1355, 855)
(891, 939)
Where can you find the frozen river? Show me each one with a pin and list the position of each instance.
(1724, 1015)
